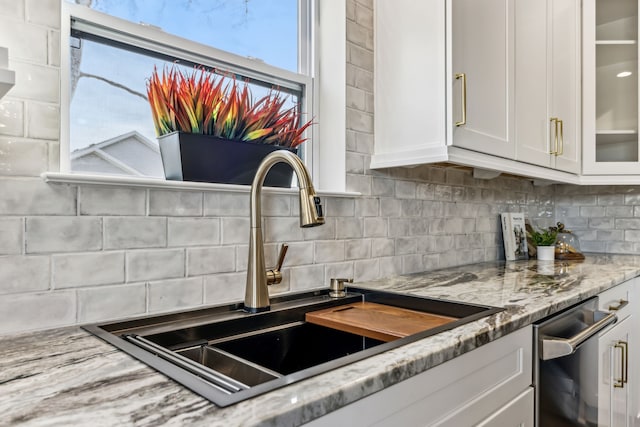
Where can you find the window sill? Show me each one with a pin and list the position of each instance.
(162, 184)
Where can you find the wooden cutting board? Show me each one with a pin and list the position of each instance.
(378, 321)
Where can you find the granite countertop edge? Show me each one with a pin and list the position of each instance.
(67, 376)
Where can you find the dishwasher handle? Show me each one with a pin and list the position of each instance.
(554, 347)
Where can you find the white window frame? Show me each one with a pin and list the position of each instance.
(325, 67)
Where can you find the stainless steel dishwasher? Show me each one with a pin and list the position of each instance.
(566, 367)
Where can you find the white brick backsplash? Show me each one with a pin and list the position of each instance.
(169, 295)
(620, 247)
(36, 82)
(412, 264)
(329, 251)
(235, 231)
(44, 12)
(390, 266)
(224, 288)
(32, 196)
(382, 187)
(276, 205)
(299, 253)
(88, 269)
(632, 235)
(359, 184)
(626, 223)
(601, 223)
(242, 256)
(226, 204)
(375, 227)
(211, 260)
(43, 121)
(11, 236)
(356, 163)
(25, 42)
(112, 201)
(63, 234)
(175, 203)
(390, 207)
(111, 302)
(349, 228)
(358, 249)
(338, 206)
(406, 189)
(382, 247)
(23, 158)
(618, 211)
(193, 231)
(134, 232)
(11, 121)
(155, 265)
(406, 245)
(368, 269)
(367, 206)
(325, 231)
(359, 121)
(27, 312)
(24, 274)
(411, 208)
(307, 277)
(399, 227)
(337, 270)
(282, 229)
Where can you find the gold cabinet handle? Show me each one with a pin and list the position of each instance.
(555, 121)
(559, 153)
(622, 304)
(463, 76)
(624, 364)
(558, 139)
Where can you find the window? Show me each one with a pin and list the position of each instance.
(115, 44)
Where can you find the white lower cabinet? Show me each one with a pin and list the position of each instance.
(617, 376)
(489, 386)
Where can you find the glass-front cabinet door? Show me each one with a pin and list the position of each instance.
(610, 78)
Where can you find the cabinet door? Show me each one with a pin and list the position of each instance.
(566, 86)
(410, 101)
(614, 369)
(610, 97)
(517, 413)
(547, 80)
(483, 52)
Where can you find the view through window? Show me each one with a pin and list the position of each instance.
(110, 124)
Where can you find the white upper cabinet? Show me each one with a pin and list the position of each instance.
(483, 71)
(410, 103)
(446, 76)
(548, 84)
(610, 53)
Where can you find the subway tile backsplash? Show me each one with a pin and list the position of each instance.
(72, 254)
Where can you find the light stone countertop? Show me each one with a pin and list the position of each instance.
(69, 377)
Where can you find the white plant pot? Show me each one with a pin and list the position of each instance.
(546, 253)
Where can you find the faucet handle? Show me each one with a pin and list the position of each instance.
(275, 276)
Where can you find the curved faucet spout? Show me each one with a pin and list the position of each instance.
(256, 293)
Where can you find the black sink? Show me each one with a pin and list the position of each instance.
(227, 355)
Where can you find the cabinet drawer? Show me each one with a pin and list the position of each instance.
(612, 298)
(467, 389)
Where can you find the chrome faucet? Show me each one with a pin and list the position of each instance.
(256, 293)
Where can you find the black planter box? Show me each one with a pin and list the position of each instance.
(205, 158)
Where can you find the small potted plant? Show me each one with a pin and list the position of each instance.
(210, 129)
(544, 241)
